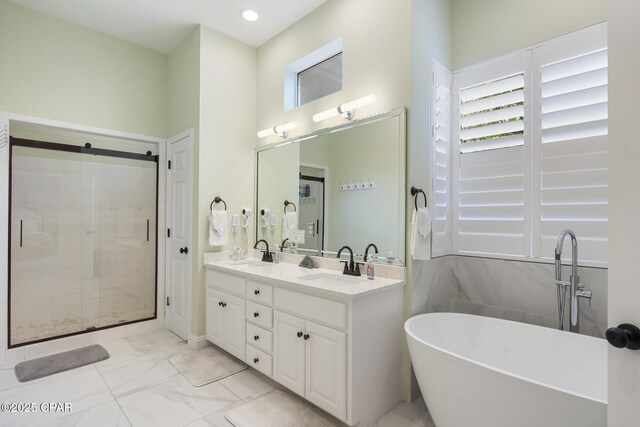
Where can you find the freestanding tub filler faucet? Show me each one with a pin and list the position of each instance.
(576, 289)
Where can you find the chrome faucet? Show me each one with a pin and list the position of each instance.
(576, 289)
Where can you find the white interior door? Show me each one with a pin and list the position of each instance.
(624, 207)
(179, 250)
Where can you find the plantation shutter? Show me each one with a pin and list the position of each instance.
(441, 154)
(490, 214)
(573, 156)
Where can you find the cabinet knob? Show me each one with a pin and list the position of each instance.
(256, 314)
(255, 360)
(184, 250)
(257, 292)
(224, 304)
(299, 334)
(220, 303)
(306, 337)
(256, 337)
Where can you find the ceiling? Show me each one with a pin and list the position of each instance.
(162, 24)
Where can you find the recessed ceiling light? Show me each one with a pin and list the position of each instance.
(249, 15)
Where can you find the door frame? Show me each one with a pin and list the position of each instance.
(325, 202)
(188, 133)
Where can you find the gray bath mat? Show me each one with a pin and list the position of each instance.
(56, 363)
(205, 366)
(278, 409)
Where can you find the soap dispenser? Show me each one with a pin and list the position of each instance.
(371, 268)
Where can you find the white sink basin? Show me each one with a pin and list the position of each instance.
(250, 263)
(332, 278)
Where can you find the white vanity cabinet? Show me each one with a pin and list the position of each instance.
(342, 351)
(259, 326)
(225, 313)
(311, 360)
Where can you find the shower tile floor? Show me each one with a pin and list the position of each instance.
(38, 331)
(138, 386)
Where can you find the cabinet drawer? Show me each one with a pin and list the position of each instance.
(227, 282)
(260, 315)
(260, 292)
(259, 360)
(260, 338)
(311, 307)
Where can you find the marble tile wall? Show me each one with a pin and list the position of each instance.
(506, 289)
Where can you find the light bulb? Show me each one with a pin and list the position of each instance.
(249, 15)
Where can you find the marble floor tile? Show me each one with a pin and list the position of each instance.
(391, 419)
(174, 403)
(415, 412)
(136, 374)
(150, 392)
(216, 419)
(136, 346)
(83, 388)
(247, 385)
(107, 414)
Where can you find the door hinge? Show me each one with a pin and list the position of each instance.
(168, 232)
(168, 302)
(169, 164)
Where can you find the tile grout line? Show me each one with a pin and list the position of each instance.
(115, 399)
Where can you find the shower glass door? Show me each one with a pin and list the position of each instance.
(83, 240)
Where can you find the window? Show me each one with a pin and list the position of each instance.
(313, 76)
(320, 80)
(530, 150)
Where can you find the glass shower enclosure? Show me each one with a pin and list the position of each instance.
(83, 239)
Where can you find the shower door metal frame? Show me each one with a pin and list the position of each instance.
(87, 149)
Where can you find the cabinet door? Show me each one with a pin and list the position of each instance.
(214, 314)
(234, 326)
(326, 373)
(288, 352)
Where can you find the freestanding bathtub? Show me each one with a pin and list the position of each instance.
(478, 371)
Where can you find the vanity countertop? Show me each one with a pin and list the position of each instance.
(320, 281)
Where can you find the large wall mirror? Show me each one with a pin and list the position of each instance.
(344, 186)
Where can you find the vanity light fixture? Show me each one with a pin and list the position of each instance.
(280, 130)
(249, 15)
(345, 110)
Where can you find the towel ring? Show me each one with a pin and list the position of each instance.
(217, 200)
(414, 192)
(287, 203)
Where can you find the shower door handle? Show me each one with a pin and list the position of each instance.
(184, 250)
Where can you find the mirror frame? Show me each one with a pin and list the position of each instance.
(401, 113)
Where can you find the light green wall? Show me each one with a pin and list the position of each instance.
(57, 70)
(376, 41)
(226, 143)
(489, 28)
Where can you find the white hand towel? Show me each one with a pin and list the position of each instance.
(421, 234)
(289, 222)
(218, 235)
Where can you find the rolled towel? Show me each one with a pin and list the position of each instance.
(421, 234)
(289, 222)
(218, 235)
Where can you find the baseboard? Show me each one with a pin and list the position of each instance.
(198, 342)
